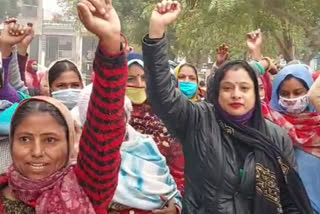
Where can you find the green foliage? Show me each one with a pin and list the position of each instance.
(8, 8)
(287, 26)
(290, 28)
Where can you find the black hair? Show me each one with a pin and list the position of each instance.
(33, 91)
(213, 83)
(60, 67)
(202, 83)
(34, 107)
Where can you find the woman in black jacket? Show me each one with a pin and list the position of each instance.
(235, 161)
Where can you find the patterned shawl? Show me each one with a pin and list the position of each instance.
(144, 175)
(58, 193)
(145, 121)
(303, 129)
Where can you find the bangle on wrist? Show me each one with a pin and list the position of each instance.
(269, 63)
(260, 67)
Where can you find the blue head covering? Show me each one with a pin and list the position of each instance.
(135, 58)
(299, 71)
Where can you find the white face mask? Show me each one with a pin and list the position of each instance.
(69, 97)
(294, 106)
(35, 67)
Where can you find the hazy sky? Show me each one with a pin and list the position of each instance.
(50, 5)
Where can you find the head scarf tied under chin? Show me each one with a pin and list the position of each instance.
(58, 193)
(270, 165)
(299, 71)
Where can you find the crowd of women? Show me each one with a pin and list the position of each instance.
(146, 136)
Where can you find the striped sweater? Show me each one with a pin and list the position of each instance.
(99, 151)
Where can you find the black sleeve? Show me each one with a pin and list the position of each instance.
(287, 203)
(174, 109)
(283, 141)
(287, 148)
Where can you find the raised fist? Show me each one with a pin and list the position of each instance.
(222, 54)
(254, 40)
(101, 19)
(13, 33)
(164, 14)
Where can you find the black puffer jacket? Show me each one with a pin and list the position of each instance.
(214, 182)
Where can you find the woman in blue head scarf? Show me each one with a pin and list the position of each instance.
(290, 88)
(291, 109)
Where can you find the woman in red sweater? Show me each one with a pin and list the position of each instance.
(42, 179)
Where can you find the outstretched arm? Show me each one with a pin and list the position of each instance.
(22, 48)
(169, 104)
(15, 74)
(7, 41)
(13, 34)
(99, 152)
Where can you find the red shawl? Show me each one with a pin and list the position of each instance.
(303, 129)
(315, 75)
(59, 193)
(267, 84)
(31, 76)
(145, 121)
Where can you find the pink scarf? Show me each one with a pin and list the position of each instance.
(31, 75)
(303, 129)
(58, 193)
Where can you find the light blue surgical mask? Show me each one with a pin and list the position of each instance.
(69, 97)
(189, 89)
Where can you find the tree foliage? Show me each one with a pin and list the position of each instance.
(290, 28)
(8, 8)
